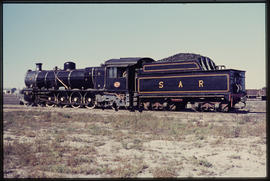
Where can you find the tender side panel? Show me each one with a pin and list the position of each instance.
(210, 83)
(177, 66)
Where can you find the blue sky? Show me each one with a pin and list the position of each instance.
(89, 34)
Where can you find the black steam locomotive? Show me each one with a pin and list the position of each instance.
(139, 84)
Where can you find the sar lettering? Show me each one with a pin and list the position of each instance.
(160, 84)
(180, 84)
(200, 83)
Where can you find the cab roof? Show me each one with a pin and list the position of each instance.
(124, 62)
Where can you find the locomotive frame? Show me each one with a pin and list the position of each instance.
(139, 84)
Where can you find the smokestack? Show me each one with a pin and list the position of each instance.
(38, 66)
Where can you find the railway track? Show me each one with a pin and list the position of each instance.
(254, 109)
(182, 116)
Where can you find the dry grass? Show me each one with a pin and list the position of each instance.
(164, 172)
(60, 144)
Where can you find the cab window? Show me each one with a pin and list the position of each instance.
(121, 72)
(117, 72)
(112, 72)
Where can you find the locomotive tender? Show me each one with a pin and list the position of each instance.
(139, 83)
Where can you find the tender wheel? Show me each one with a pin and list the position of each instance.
(146, 105)
(63, 99)
(171, 106)
(89, 101)
(156, 106)
(224, 107)
(75, 99)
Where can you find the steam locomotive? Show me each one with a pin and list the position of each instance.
(139, 84)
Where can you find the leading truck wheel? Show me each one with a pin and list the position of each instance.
(89, 101)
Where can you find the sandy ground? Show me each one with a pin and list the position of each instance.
(146, 155)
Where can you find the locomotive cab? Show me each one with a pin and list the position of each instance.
(120, 73)
(117, 78)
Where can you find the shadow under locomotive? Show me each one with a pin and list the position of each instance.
(140, 84)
